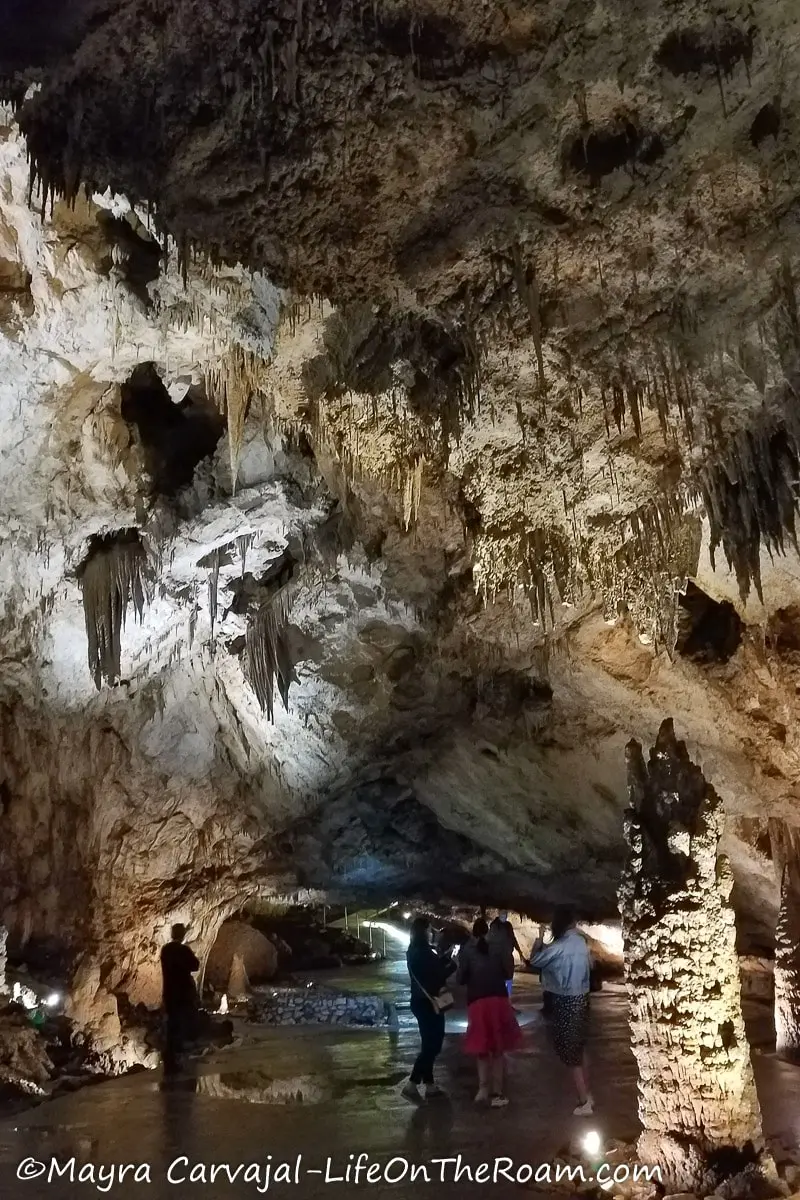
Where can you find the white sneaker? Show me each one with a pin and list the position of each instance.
(499, 1101)
(482, 1096)
(584, 1110)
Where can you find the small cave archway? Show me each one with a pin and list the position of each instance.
(175, 437)
(709, 631)
(240, 955)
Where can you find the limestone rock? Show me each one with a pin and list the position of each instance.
(240, 954)
(697, 1093)
(24, 1061)
(786, 846)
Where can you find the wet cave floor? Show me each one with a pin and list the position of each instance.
(331, 1093)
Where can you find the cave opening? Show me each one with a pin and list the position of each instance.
(176, 438)
(709, 631)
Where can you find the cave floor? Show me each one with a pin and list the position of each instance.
(223, 1109)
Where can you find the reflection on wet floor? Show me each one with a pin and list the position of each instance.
(256, 1086)
(330, 1093)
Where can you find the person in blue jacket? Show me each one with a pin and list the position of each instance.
(566, 966)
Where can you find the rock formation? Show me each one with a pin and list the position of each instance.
(242, 950)
(697, 1099)
(376, 390)
(786, 851)
(3, 959)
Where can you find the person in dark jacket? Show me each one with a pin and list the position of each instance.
(502, 935)
(428, 972)
(178, 965)
(484, 968)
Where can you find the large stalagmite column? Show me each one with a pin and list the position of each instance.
(697, 1097)
(786, 854)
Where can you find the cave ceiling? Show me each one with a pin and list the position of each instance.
(373, 375)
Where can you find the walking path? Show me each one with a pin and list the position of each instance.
(225, 1110)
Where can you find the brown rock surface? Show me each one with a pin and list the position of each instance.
(536, 361)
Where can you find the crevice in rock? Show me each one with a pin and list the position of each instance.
(16, 298)
(709, 631)
(248, 590)
(783, 633)
(602, 151)
(766, 123)
(718, 46)
(175, 437)
(137, 256)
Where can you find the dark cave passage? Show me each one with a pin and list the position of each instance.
(175, 437)
(708, 631)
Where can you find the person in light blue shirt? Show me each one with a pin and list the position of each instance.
(565, 967)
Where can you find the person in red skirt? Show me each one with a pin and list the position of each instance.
(492, 1028)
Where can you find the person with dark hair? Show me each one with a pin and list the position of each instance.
(492, 1029)
(178, 964)
(565, 966)
(501, 934)
(428, 972)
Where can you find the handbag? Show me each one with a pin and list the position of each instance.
(441, 1002)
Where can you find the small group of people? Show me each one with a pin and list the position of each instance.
(485, 968)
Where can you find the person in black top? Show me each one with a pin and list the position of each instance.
(428, 973)
(502, 935)
(178, 964)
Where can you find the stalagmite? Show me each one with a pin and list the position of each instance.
(238, 982)
(3, 959)
(697, 1099)
(786, 855)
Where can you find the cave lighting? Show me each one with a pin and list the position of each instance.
(223, 1005)
(24, 996)
(608, 935)
(53, 999)
(592, 1143)
(399, 935)
(406, 916)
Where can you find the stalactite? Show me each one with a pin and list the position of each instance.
(750, 491)
(528, 289)
(213, 588)
(111, 577)
(697, 1099)
(243, 543)
(268, 659)
(412, 491)
(234, 380)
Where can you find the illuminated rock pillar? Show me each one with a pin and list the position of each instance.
(697, 1098)
(3, 958)
(786, 854)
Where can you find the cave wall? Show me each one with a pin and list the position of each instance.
(447, 684)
